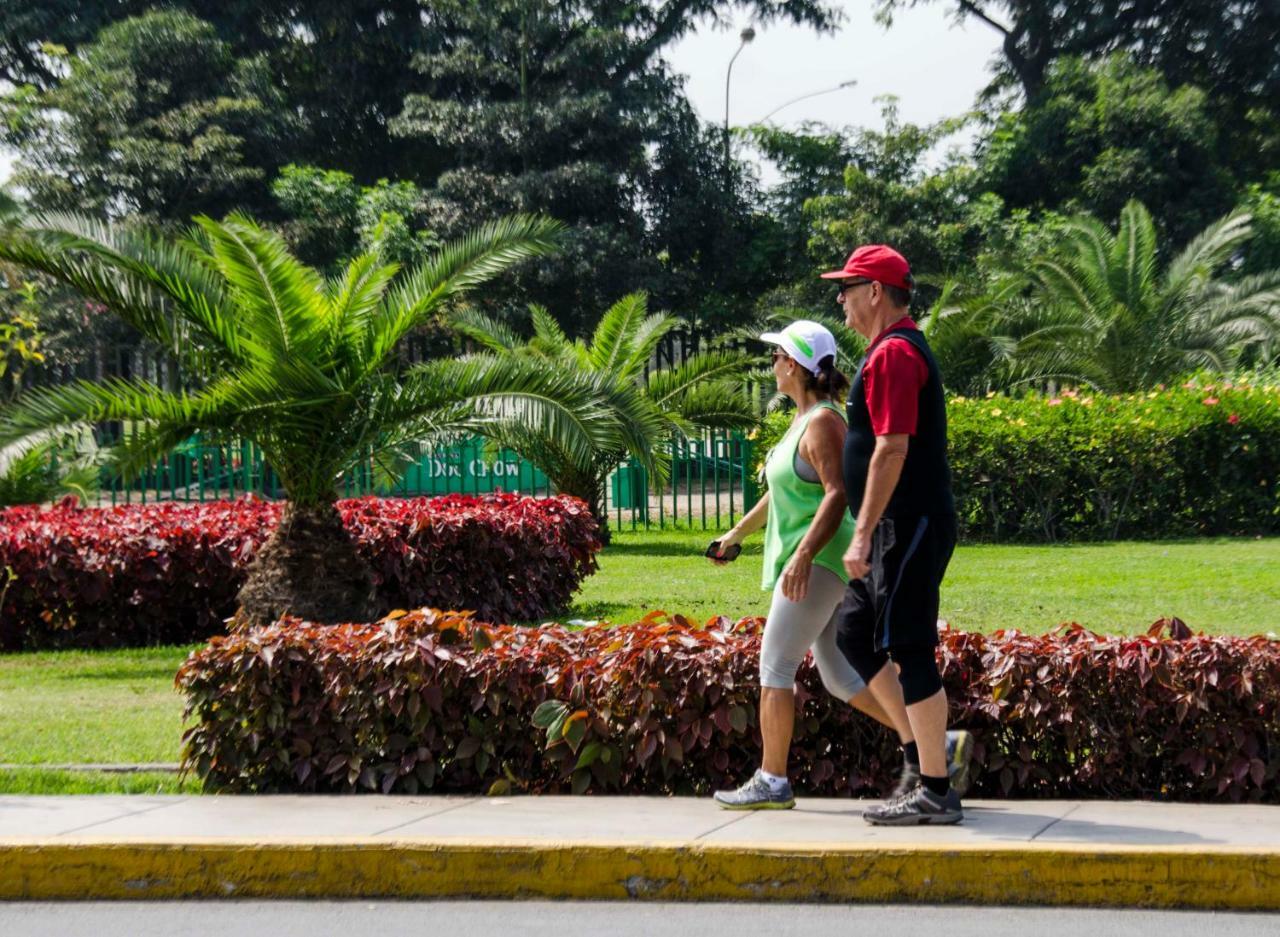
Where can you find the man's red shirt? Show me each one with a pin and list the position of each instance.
(892, 378)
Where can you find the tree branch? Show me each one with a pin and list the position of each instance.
(669, 22)
(34, 69)
(970, 7)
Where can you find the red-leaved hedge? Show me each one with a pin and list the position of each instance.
(167, 573)
(436, 701)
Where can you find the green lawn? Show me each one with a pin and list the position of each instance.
(74, 707)
(102, 707)
(1222, 585)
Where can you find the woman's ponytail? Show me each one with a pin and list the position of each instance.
(829, 383)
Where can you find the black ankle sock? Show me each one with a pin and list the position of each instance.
(939, 786)
(911, 753)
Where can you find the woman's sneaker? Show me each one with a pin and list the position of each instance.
(959, 758)
(756, 794)
(917, 806)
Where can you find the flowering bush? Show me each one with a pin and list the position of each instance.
(438, 701)
(137, 574)
(1202, 458)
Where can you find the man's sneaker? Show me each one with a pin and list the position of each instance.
(917, 806)
(959, 756)
(756, 794)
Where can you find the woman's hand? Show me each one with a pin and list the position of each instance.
(795, 577)
(734, 536)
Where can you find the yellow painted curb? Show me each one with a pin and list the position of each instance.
(1148, 877)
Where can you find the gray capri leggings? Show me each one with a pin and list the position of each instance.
(792, 628)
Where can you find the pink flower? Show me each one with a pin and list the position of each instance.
(1233, 419)
(1210, 401)
(1055, 402)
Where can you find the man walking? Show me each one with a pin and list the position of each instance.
(898, 485)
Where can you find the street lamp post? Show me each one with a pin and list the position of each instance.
(746, 36)
(812, 94)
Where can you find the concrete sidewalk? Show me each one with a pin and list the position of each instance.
(1006, 852)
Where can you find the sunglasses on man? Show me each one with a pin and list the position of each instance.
(848, 286)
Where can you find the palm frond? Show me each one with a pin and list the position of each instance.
(1208, 251)
(1134, 257)
(284, 300)
(459, 265)
(666, 387)
(611, 342)
(548, 337)
(355, 296)
(716, 406)
(502, 390)
(648, 335)
(486, 331)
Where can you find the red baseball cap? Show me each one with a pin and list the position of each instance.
(875, 262)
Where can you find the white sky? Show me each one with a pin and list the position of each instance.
(934, 68)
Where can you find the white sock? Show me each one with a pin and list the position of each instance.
(775, 782)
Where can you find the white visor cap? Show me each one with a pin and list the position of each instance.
(805, 341)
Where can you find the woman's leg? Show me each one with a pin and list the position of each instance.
(842, 681)
(788, 632)
(777, 721)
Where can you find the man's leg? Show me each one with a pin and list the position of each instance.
(912, 574)
(926, 705)
(854, 638)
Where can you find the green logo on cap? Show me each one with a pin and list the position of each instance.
(801, 344)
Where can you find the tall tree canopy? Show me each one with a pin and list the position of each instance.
(156, 117)
(1105, 132)
(568, 108)
(1226, 44)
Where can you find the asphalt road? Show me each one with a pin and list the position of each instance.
(635, 919)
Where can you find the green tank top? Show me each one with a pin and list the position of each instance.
(793, 502)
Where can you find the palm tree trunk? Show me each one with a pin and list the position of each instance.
(591, 489)
(309, 568)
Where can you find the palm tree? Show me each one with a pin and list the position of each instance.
(649, 404)
(41, 469)
(303, 366)
(1115, 321)
(984, 340)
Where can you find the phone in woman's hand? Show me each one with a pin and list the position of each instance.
(730, 554)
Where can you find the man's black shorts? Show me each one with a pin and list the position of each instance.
(897, 602)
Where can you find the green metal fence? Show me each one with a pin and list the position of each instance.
(710, 486)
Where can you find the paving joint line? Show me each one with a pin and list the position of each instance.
(131, 813)
(1054, 822)
(427, 816)
(727, 823)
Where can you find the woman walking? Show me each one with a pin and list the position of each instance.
(807, 531)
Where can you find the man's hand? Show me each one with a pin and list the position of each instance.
(857, 559)
(795, 578)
